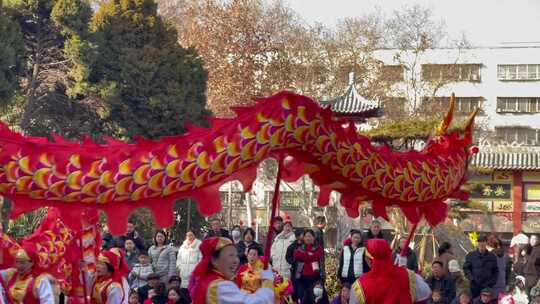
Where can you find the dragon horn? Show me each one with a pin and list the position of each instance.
(470, 123)
(443, 127)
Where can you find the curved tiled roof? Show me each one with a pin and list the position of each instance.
(507, 158)
(351, 102)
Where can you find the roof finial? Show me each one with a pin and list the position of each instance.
(352, 78)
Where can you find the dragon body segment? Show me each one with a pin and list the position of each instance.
(118, 177)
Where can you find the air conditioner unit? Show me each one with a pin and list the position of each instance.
(474, 77)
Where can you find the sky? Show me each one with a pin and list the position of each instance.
(485, 22)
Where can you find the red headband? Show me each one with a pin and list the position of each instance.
(208, 248)
(379, 249)
(115, 258)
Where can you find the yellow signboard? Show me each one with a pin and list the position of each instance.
(503, 206)
(532, 192)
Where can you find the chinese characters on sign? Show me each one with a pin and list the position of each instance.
(503, 206)
(497, 197)
(497, 206)
(532, 207)
(491, 191)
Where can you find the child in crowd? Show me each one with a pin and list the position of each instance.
(157, 295)
(319, 294)
(174, 282)
(463, 298)
(133, 297)
(138, 277)
(344, 295)
(437, 298)
(175, 296)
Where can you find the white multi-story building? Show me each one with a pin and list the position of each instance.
(503, 80)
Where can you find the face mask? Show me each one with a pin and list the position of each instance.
(317, 292)
(236, 234)
(523, 253)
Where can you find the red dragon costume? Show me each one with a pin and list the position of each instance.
(119, 177)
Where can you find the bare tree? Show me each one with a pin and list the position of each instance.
(243, 44)
(350, 48)
(412, 32)
(412, 109)
(254, 48)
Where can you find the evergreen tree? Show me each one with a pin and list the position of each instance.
(149, 83)
(52, 31)
(187, 217)
(11, 59)
(125, 70)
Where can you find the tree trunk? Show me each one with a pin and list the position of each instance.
(249, 214)
(33, 82)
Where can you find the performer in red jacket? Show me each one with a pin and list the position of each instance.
(108, 282)
(249, 278)
(212, 280)
(387, 283)
(25, 283)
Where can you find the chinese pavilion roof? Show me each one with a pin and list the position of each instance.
(352, 102)
(507, 158)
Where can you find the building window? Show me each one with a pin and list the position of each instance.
(291, 200)
(518, 72)
(392, 73)
(395, 107)
(237, 198)
(518, 104)
(451, 72)
(464, 105)
(531, 192)
(521, 135)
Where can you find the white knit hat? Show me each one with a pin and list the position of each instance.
(453, 266)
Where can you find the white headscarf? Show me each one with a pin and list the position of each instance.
(520, 296)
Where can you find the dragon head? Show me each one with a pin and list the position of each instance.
(449, 140)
